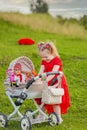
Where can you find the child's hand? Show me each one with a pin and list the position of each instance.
(44, 76)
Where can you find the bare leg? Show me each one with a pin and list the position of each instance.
(57, 110)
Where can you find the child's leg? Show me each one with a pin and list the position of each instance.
(57, 110)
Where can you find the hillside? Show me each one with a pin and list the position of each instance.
(46, 23)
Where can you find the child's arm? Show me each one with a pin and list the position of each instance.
(41, 69)
(55, 68)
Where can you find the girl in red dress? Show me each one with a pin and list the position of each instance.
(51, 62)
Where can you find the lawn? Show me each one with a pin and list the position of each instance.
(73, 52)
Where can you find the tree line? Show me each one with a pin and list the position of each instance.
(82, 21)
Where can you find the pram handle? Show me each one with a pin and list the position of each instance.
(23, 95)
(53, 73)
(40, 76)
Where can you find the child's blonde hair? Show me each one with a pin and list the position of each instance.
(49, 46)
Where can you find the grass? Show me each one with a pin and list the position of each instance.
(73, 52)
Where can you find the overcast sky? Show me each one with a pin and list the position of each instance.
(70, 3)
(66, 8)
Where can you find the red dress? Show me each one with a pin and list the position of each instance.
(65, 99)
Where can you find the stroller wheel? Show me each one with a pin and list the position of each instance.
(28, 113)
(53, 119)
(25, 123)
(3, 120)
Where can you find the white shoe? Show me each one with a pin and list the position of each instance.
(60, 120)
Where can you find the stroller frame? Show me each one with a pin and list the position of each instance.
(23, 117)
(31, 95)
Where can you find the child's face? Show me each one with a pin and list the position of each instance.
(45, 55)
(17, 71)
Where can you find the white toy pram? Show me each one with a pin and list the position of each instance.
(30, 90)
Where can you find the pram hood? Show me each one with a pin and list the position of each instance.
(26, 64)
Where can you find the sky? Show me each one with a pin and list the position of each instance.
(65, 8)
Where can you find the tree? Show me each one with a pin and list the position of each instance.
(39, 6)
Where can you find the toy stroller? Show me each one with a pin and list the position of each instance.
(33, 90)
(13, 88)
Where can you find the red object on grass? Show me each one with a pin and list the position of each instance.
(26, 41)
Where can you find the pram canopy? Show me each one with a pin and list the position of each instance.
(26, 64)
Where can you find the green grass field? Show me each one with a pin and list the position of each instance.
(73, 52)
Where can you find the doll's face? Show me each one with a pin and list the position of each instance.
(17, 71)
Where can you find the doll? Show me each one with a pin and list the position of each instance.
(17, 76)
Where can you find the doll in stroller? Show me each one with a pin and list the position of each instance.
(29, 89)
